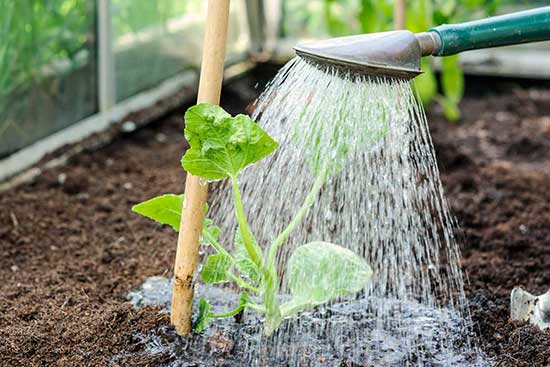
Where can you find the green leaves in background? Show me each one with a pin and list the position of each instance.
(452, 83)
(426, 83)
(452, 78)
(419, 15)
(221, 145)
(325, 18)
(165, 209)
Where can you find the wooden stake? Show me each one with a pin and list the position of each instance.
(196, 190)
(399, 14)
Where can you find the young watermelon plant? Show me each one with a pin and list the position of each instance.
(221, 147)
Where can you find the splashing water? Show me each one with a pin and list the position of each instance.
(382, 198)
(365, 140)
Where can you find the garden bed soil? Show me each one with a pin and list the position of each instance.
(71, 250)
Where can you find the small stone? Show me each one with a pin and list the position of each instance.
(83, 196)
(14, 268)
(523, 229)
(61, 178)
(128, 186)
(161, 138)
(109, 162)
(128, 126)
(53, 248)
(220, 343)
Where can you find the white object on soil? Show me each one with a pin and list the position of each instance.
(526, 307)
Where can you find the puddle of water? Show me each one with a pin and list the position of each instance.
(433, 337)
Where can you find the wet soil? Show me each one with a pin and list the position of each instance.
(71, 250)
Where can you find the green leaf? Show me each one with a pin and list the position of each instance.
(450, 108)
(211, 229)
(165, 209)
(419, 15)
(369, 17)
(214, 269)
(204, 317)
(426, 84)
(452, 78)
(336, 25)
(320, 271)
(221, 145)
(244, 263)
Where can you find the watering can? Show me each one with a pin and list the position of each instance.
(398, 53)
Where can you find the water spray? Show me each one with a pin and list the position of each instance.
(397, 54)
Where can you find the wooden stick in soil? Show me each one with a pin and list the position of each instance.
(399, 14)
(196, 189)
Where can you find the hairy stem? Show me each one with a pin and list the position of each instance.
(230, 313)
(243, 283)
(308, 202)
(248, 238)
(212, 241)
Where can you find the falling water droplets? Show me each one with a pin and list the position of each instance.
(383, 200)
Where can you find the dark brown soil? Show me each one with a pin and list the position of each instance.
(70, 249)
(495, 167)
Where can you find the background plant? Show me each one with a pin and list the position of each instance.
(34, 34)
(344, 17)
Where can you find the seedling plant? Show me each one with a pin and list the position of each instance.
(221, 147)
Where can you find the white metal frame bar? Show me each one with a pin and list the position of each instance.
(105, 57)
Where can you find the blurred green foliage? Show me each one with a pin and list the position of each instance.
(34, 33)
(130, 16)
(45, 44)
(321, 18)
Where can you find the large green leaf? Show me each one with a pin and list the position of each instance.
(320, 271)
(221, 145)
(165, 209)
(214, 269)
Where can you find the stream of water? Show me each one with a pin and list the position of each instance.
(382, 199)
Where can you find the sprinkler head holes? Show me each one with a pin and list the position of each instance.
(526, 307)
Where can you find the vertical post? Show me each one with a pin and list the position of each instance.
(256, 24)
(196, 190)
(105, 58)
(399, 14)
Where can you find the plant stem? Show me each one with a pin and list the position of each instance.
(248, 238)
(288, 309)
(240, 282)
(238, 309)
(243, 284)
(216, 245)
(308, 202)
(233, 312)
(256, 307)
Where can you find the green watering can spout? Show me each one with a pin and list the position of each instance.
(397, 54)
